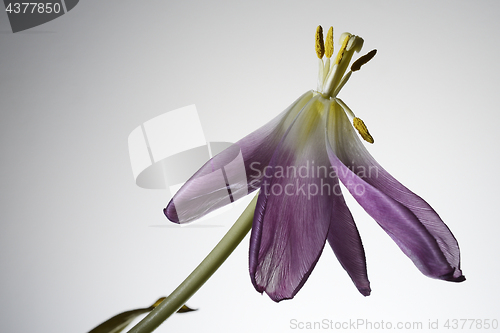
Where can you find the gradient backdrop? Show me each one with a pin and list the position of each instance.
(80, 242)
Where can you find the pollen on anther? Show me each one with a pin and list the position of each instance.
(362, 130)
(320, 45)
(344, 40)
(329, 43)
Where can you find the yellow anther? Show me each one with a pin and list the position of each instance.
(320, 45)
(344, 39)
(363, 131)
(329, 43)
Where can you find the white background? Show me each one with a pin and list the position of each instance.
(80, 242)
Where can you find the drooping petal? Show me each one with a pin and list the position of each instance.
(408, 219)
(345, 241)
(293, 211)
(234, 172)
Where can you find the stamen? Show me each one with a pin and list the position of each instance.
(344, 39)
(363, 131)
(342, 83)
(321, 74)
(326, 69)
(345, 107)
(329, 43)
(320, 45)
(355, 43)
(343, 36)
(356, 66)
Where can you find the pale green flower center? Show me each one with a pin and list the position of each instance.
(331, 73)
(331, 76)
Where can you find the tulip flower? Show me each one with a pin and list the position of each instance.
(296, 161)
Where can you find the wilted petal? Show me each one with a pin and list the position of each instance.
(294, 208)
(234, 172)
(345, 241)
(408, 219)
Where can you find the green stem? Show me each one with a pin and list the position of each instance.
(201, 273)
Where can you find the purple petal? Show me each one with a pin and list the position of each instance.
(294, 208)
(408, 219)
(345, 241)
(234, 172)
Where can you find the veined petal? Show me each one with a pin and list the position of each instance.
(234, 172)
(408, 219)
(293, 211)
(345, 242)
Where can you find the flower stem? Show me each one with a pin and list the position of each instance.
(201, 273)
